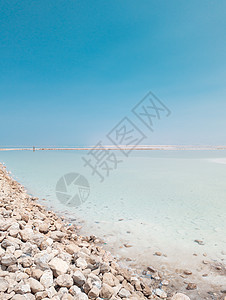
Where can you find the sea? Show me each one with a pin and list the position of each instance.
(151, 206)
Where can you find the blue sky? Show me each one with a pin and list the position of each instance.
(71, 70)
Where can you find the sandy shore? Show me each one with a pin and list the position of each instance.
(44, 257)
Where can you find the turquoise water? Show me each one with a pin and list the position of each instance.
(163, 199)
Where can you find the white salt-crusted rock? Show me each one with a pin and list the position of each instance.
(160, 293)
(58, 266)
(35, 285)
(75, 290)
(22, 288)
(64, 280)
(8, 259)
(46, 278)
(81, 263)
(123, 293)
(3, 285)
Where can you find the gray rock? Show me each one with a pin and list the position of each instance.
(51, 292)
(81, 263)
(36, 273)
(47, 278)
(57, 236)
(95, 280)
(44, 227)
(3, 285)
(27, 261)
(75, 290)
(160, 293)
(42, 260)
(64, 280)
(62, 291)
(110, 279)
(104, 268)
(21, 276)
(8, 259)
(87, 286)
(58, 266)
(106, 291)
(35, 285)
(37, 239)
(18, 253)
(94, 293)
(72, 248)
(5, 225)
(79, 278)
(7, 243)
(180, 296)
(26, 234)
(22, 288)
(123, 293)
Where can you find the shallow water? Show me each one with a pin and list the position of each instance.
(154, 200)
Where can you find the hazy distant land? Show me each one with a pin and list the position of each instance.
(121, 147)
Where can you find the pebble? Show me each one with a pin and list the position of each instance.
(199, 242)
(151, 269)
(165, 282)
(191, 286)
(160, 293)
(187, 272)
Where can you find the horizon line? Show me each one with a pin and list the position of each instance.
(120, 147)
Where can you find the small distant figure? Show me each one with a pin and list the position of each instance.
(33, 148)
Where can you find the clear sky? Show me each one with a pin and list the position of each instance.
(71, 70)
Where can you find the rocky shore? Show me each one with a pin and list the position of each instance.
(43, 256)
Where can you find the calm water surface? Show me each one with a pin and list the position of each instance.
(154, 200)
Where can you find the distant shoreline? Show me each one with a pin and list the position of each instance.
(119, 147)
